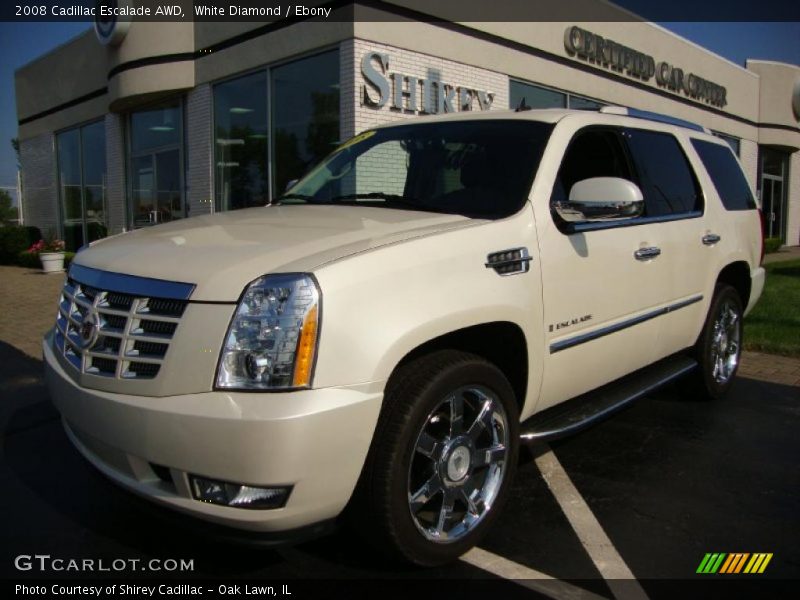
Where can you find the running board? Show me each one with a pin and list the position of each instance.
(573, 415)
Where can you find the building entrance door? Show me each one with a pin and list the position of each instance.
(773, 192)
(772, 205)
(156, 193)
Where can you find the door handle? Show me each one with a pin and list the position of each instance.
(647, 253)
(710, 239)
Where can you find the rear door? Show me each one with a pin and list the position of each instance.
(675, 208)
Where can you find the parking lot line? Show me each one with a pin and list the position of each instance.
(526, 577)
(598, 546)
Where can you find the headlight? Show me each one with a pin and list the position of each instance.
(272, 338)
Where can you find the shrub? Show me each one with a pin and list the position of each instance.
(772, 245)
(14, 239)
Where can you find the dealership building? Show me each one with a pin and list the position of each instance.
(138, 123)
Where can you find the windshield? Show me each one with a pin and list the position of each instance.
(481, 169)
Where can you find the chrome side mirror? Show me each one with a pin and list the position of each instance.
(601, 199)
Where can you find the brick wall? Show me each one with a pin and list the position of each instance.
(115, 173)
(39, 189)
(349, 76)
(199, 156)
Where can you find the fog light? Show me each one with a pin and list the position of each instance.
(238, 495)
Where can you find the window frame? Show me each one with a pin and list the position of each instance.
(620, 131)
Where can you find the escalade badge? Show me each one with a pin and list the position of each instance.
(89, 330)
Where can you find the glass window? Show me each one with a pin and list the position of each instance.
(733, 142)
(81, 156)
(156, 164)
(93, 151)
(155, 127)
(305, 115)
(535, 96)
(481, 169)
(241, 142)
(665, 177)
(579, 103)
(593, 152)
(726, 175)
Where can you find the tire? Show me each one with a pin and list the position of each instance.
(442, 459)
(719, 346)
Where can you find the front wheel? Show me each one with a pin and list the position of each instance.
(719, 347)
(442, 459)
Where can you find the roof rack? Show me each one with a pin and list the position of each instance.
(652, 116)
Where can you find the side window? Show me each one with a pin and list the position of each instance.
(667, 181)
(596, 152)
(726, 174)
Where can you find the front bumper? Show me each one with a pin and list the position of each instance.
(313, 440)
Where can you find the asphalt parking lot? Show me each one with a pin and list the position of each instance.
(620, 510)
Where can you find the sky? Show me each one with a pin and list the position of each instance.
(22, 42)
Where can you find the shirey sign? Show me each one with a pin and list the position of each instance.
(410, 94)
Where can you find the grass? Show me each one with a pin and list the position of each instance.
(774, 324)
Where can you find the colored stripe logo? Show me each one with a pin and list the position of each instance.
(734, 563)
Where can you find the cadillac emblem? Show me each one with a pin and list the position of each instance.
(90, 328)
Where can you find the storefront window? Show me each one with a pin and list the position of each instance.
(580, 103)
(81, 154)
(241, 144)
(733, 142)
(535, 96)
(156, 165)
(305, 115)
(271, 126)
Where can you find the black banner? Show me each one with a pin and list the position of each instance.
(261, 11)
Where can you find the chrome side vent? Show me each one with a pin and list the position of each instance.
(509, 262)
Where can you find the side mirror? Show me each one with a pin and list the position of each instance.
(601, 199)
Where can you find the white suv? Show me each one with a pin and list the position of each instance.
(383, 337)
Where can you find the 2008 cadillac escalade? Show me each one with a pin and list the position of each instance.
(380, 340)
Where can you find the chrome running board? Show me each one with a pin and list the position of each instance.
(574, 415)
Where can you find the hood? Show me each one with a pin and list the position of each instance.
(222, 253)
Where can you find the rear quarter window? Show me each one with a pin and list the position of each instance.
(726, 175)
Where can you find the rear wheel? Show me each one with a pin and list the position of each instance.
(719, 347)
(442, 459)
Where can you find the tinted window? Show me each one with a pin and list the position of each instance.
(481, 169)
(665, 177)
(593, 153)
(726, 175)
(535, 96)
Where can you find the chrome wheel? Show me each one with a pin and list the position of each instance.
(725, 343)
(458, 464)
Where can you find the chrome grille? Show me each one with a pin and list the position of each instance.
(132, 336)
